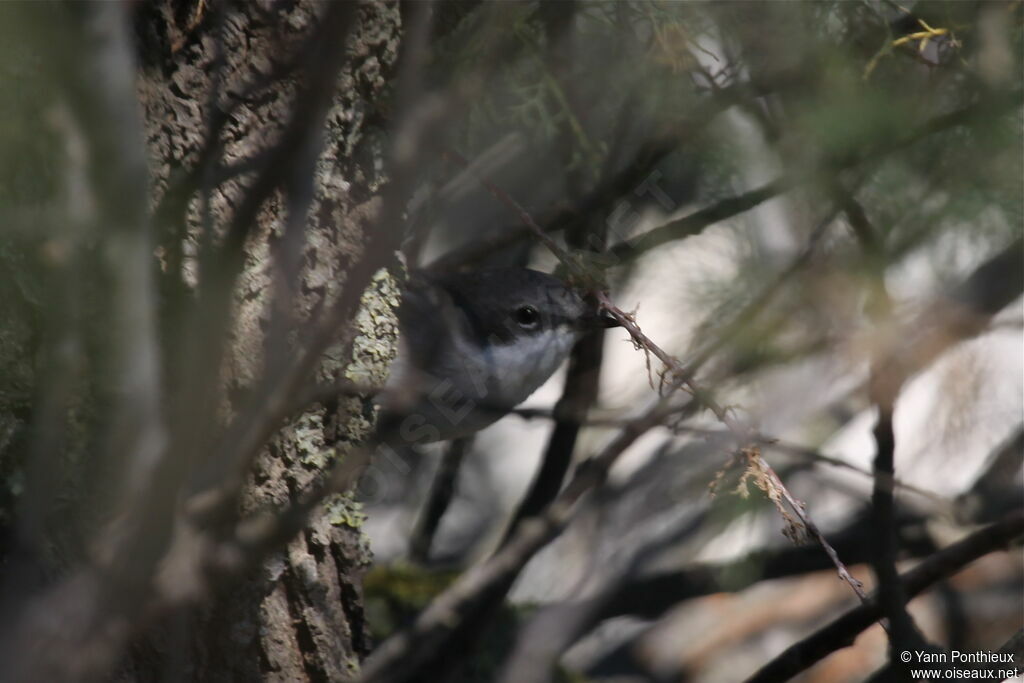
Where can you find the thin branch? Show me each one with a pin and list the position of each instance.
(652, 594)
(95, 63)
(745, 439)
(695, 223)
(442, 489)
(995, 491)
(581, 386)
(507, 200)
(582, 383)
(883, 388)
(427, 645)
(1014, 646)
(811, 455)
(138, 438)
(680, 375)
(842, 631)
(745, 317)
(648, 595)
(60, 353)
(553, 630)
(602, 198)
(770, 442)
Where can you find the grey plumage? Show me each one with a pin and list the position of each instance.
(473, 346)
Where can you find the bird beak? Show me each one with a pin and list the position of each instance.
(601, 320)
(606, 319)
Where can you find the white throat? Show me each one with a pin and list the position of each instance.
(520, 367)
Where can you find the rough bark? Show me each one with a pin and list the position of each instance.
(299, 617)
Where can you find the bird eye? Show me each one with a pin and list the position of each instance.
(527, 317)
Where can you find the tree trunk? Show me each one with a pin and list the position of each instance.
(299, 617)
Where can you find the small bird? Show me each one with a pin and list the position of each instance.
(474, 345)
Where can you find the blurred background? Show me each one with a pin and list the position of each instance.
(852, 150)
(817, 208)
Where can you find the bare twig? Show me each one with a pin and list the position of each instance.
(61, 348)
(434, 629)
(680, 375)
(442, 488)
(884, 386)
(580, 393)
(507, 200)
(548, 634)
(995, 491)
(842, 631)
(99, 606)
(599, 201)
(641, 593)
(99, 53)
(583, 376)
(578, 396)
(426, 645)
(811, 455)
(652, 594)
(694, 223)
(743, 319)
(743, 435)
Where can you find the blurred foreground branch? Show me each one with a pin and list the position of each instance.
(431, 643)
(842, 631)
